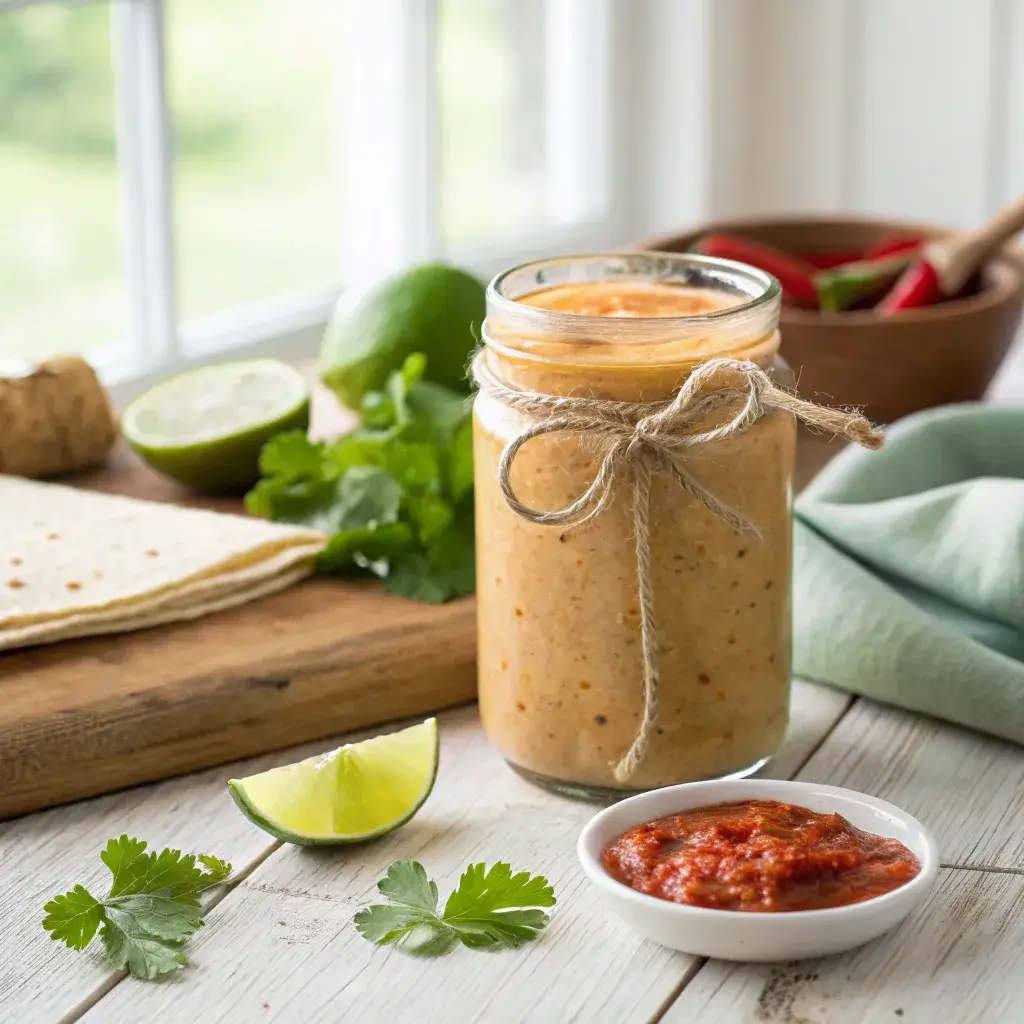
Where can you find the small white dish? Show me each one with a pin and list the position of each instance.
(759, 937)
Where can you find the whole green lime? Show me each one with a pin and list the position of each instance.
(431, 308)
(206, 427)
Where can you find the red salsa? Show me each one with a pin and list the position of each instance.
(758, 855)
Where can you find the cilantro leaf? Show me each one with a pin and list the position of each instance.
(460, 464)
(492, 908)
(73, 918)
(409, 920)
(447, 569)
(367, 547)
(507, 930)
(216, 869)
(128, 863)
(291, 455)
(292, 501)
(483, 907)
(452, 554)
(152, 917)
(416, 465)
(364, 496)
(384, 924)
(298, 479)
(128, 947)
(411, 576)
(428, 940)
(488, 890)
(394, 497)
(367, 495)
(431, 514)
(406, 883)
(412, 933)
(443, 409)
(401, 383)
(151, 910)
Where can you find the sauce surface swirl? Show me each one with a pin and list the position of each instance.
(759, 856)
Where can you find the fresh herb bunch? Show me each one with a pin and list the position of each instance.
(491, 909)
(152, 908)
(395, 496)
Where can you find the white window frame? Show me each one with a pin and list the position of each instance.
(598, 184)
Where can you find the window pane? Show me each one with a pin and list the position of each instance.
(491, 70)
(61, 281)
(256, 176)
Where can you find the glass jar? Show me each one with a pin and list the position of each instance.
(560, 653)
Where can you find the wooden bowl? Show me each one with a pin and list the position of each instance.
(888, 366)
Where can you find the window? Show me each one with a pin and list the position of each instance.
(491, 94)
(185, 179)
(62, 282)
(256, 188)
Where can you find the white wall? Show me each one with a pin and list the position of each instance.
(903, 107)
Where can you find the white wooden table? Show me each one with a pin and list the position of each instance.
(280, 946)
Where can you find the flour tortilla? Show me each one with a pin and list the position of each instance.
(74, 563)
(80, 626)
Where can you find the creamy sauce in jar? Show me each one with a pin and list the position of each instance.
(559, 625)
(635, 298)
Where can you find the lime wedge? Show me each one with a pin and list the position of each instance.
(206, 427)
(359, 791)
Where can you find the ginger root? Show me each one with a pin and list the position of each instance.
(55, 419)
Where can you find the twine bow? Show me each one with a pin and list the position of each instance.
(643, 438)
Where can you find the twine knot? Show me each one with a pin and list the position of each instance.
(639, 439)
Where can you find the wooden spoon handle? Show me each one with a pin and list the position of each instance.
(956, 259)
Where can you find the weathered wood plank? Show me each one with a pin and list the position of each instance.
(966, 787)
(814, 712)
(283, 942)
(955, 959)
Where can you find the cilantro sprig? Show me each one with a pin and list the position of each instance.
(491, 909)
(395, 496)
(152, 908)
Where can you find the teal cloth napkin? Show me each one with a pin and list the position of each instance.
(909, 569)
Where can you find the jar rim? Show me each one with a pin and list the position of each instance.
(640, 263)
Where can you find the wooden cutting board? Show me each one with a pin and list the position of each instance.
(326, 656)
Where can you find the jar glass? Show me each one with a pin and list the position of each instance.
(560, 662)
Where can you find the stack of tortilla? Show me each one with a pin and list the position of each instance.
(75, 563)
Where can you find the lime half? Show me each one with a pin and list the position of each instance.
(206, 427)
(359, 791)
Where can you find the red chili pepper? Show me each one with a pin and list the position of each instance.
(892, 245)
(826, 259)
(917, 286)
(852, 284)
(794, 274)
